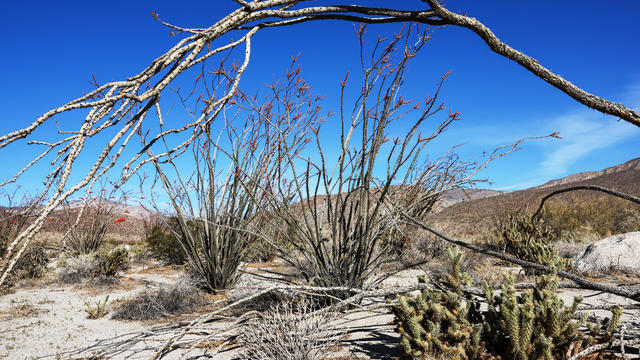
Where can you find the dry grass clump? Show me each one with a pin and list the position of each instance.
(154, 304)
(290, 331)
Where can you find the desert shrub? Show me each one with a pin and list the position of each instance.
(577, 218)
(100, 266)
(535, 324)
(154, 304)
(421, 246)
(528, 239)
(164, 244)
(290, 330)
(15, 215)
(33, 262)
(110, 263)
(77, 268)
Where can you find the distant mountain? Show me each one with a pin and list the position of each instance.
(631, 165)
(456, 196)
(134, 211)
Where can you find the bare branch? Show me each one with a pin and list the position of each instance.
(584, 187)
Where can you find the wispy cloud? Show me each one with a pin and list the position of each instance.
(584, 133)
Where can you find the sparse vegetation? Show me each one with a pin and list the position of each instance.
(577, 218)
(339, 215)
(97, 311)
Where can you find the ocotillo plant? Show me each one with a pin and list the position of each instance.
(86, 220)
(339, 208)
(220, 206)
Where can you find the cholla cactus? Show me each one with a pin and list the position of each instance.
(537, 324)
(439, 322)
(532, 325)
(530, 240)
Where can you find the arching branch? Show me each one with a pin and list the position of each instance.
(584, 187)
(531, 64)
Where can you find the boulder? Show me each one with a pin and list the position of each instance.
(614, 252)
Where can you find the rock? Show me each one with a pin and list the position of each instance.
(614, 252)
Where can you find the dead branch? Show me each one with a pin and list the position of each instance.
(626, 292)
(599, 347)
(531, 64)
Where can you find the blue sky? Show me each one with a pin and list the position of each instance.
(50, 50)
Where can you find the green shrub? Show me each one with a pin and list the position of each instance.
(164, 244)
(529, 239)
(578, 218)
(112, 262)
(535, 324)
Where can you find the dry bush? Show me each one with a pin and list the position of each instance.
(15, 215)
(178, 298)
(31, 265)
(76, 269)
(33, 262)
(163, 243)
(422, 246)
(290, 330)
(579, 218)
(87, 221)
(99, 267)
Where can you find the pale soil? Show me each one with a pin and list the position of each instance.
(46, 320)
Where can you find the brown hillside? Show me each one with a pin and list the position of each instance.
(472, 219)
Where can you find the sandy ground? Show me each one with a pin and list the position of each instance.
(46, 320)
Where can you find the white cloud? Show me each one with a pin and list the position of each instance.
(583, 133)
